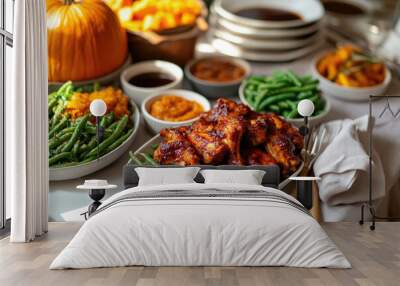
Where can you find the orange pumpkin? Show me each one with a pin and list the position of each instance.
(85, 40)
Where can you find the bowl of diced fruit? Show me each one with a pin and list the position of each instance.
(162, 29)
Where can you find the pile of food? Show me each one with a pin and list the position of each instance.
(350, 67)
(156, 15)
(175, 108)
(281, 92)
(230, 133)
(72, 131)
(217, 70)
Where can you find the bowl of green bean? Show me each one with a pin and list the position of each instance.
(281, 92)
(85, 156)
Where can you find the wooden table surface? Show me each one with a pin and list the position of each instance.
(375, 257)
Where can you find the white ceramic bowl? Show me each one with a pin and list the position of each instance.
(156, 124)
(313, 120)
(138, 94)
(348, 93)
(217, 89)
(311, 11)
(67, 173)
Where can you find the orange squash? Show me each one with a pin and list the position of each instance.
(85, 40)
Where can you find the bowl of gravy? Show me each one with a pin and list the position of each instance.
(145, 78)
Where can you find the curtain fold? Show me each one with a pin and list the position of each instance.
(26, 124)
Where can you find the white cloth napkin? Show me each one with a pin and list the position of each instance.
(343, 165)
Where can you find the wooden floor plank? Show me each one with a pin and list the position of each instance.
(375, 257)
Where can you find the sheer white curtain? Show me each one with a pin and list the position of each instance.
(26, 123)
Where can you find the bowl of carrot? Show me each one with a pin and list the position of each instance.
(351, 74)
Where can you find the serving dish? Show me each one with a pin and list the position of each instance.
(348, 93)
(156, 124)
(73, 172)
(229, 49)
(148, 147)
(269, 44)
(217, 89)
(310, 11)
(138, 94)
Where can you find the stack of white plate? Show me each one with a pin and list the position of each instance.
(261, 40)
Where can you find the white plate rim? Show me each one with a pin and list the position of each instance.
(275, 44)
(266, 33)
(262, 56)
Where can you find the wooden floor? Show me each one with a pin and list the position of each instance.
(375, 257)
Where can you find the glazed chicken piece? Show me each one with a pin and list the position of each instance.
(207, 142)
(282, 126)
(282, 150)
(258, 128)
(226, 124)
(258, 156)
(175, 148)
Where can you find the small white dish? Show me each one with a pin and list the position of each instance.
(138, 94)
(348, 93)
(313, 120)
(229, 49)
(156, 124)
(217, 89)
(310, 11)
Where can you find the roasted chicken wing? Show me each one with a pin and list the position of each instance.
(175, 148)
(230, 133)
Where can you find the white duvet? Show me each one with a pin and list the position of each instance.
(200, 231)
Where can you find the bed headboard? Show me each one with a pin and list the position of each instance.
(271, 177)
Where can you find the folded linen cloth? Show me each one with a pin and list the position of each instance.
(343, 165)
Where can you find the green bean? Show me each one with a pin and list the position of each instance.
(134, 159)
(66, 130)
(52, 103)
(294, 89)
(88, 159)
(56, 158)
(59, 126)
(293, 78)
(283, 104)
(56, 141)
(259, 98)
(76, 133)
(293, 113)
(273, 99)
(107, 120)
(149, 159)
(57, 114)
(304, 95)
(75, 149)
(60, 147)
(275, 108)
(119, 141)
(116, 134)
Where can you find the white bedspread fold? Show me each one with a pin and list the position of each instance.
(256, 230)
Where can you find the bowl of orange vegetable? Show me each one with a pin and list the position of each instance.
(161, 29)
(350, 74)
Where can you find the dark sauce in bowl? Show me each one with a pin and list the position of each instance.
(151, 79)
(267, 14)
(344, 8)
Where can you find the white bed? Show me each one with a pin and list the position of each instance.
(225, 225)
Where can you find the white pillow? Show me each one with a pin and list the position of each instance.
(247, 177)
(166, 176)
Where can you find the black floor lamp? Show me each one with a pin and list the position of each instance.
(396, 115)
